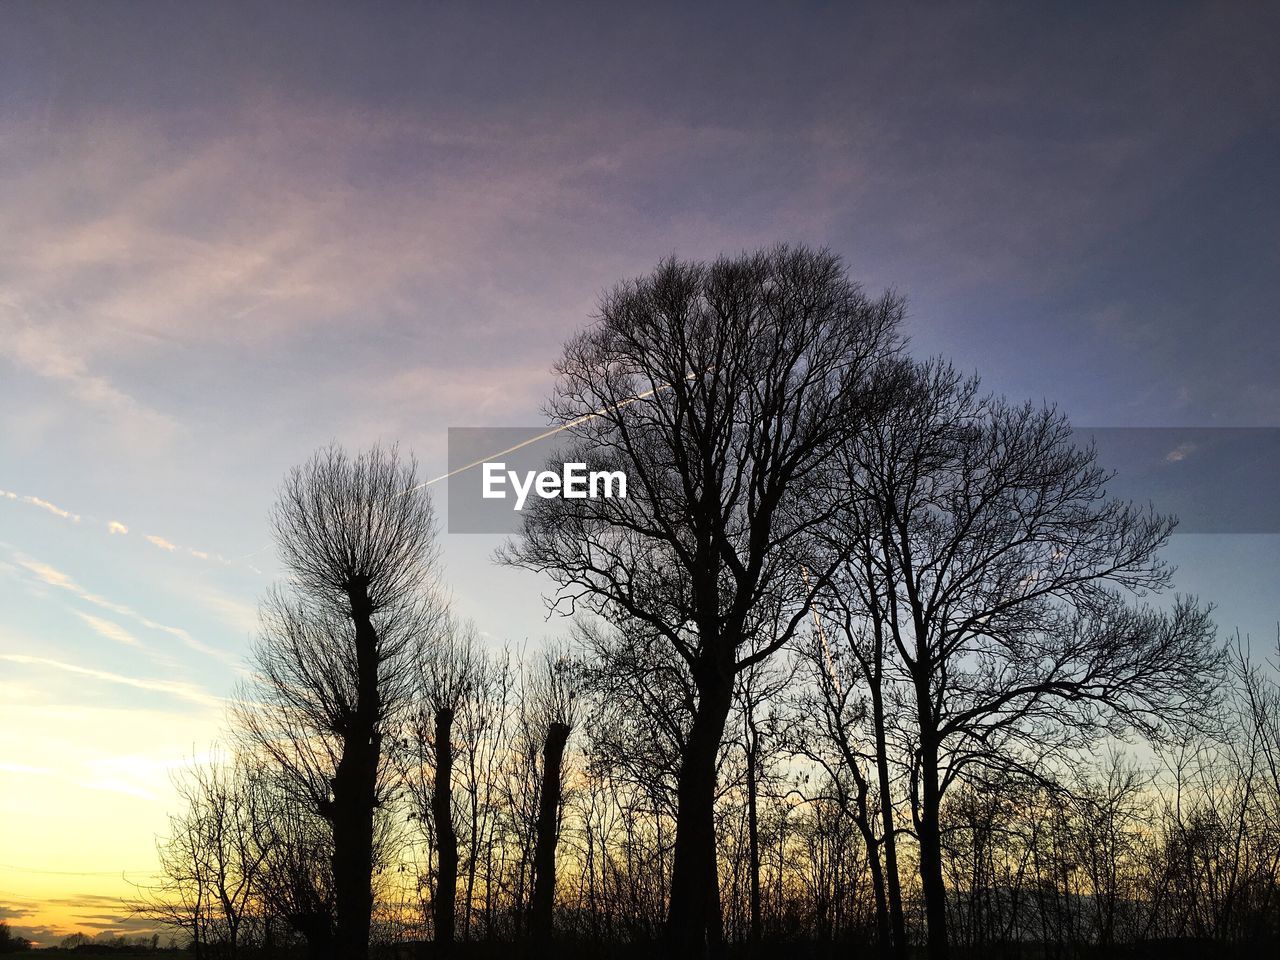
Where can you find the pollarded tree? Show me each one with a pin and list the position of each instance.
(553, 691)
(453, 677)
(339, 642)
(723, 391)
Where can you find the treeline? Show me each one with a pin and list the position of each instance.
(866, 657)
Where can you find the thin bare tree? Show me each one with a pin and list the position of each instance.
(452, 677)
(554, 691)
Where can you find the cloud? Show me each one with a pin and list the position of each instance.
(53, 508)
(115, 527)
(117, 785)
(62, 581)
(23, 769)
(171, 547)
(135, 775)
(109, 630)
(231, 610)
(32, 343)
(47, 574)
(173, 688)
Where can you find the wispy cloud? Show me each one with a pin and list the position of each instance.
(109, 630)
(170, 547)
(45, 505)
(56, 578)
(115, 527)
(47, 350)
(185, 691)
(135, 774)
(53, 508)
(23, 769)
(50, 575)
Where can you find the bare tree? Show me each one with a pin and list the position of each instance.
(554, 692)
(482, 734)
(214, 858)
(639, 704)
(853, 672)
(338, 645)
(297, 881)
(1007, 580)
(758, 699)
(832, 732)
(452, 674)
(749, 373)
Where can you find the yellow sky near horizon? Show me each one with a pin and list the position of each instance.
(83, 792)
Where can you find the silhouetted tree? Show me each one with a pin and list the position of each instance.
(9, 943)
(297, 879)
(749, 372)
(213, 860)
(1005, 577)
(831, 731)
(338, 645)
(452, 675)
(554, 690)
(758, 700)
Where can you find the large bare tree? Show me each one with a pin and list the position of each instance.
(335, 659)
(749, 373)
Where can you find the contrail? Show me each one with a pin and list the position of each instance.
(114, 527)
(542, 436)
(829, 662)
(524, 443)
(35, 501)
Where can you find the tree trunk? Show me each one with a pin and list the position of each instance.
(355, 784)
(864, 819)
(753, 830)
(877, 892)
(473, 849)
(544, 857)
(935, 891)
(892, 882)
(693, 916)
(444, 902)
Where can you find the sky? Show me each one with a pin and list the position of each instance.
(231, 233)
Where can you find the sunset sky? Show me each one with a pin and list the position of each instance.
(229, 234)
